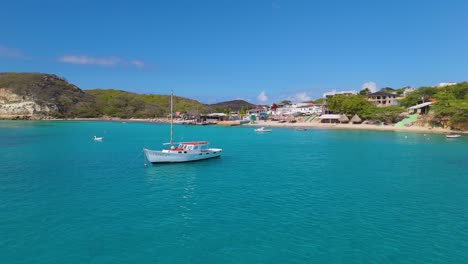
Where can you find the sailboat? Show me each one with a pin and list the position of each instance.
(181, 151)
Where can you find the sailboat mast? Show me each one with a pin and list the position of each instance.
(172, 116)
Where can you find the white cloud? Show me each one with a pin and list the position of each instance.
(85, 60)
(262, 97)
(11, 53)
(301, 97)
(105, 62)
(372, 86)
(137, 63)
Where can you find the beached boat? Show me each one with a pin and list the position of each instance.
(262, 129)
(183, 152)
(452, 136)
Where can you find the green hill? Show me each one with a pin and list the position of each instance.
(125, 104)
(235, 105)
(49, 95)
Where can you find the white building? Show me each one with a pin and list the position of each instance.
(446, 84)
(299, 108)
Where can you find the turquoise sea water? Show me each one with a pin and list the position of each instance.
(288, 196)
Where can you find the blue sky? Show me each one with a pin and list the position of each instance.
(256, 50)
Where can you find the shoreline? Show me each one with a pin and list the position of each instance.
(388, 128)
(297, 125)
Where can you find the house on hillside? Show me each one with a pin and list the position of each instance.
(382, 99)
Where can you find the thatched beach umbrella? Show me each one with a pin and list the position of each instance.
(343, 118)
(356, 119)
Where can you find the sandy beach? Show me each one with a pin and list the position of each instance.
(317, 125)
(296, 125)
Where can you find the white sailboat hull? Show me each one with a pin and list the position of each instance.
(172, 156)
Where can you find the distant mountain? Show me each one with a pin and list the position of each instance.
(388, 90)
(234, 105)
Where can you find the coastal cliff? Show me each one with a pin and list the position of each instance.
(14, 106)
(38, 96)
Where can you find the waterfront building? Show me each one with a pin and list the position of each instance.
(422, 108)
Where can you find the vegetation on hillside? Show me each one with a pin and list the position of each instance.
(357, 104)
(450, 102)
(318, 101)
(124, 104)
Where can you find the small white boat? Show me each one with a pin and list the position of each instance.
(184, 152)
(98, 138)
(262, 129)
(452, 136)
